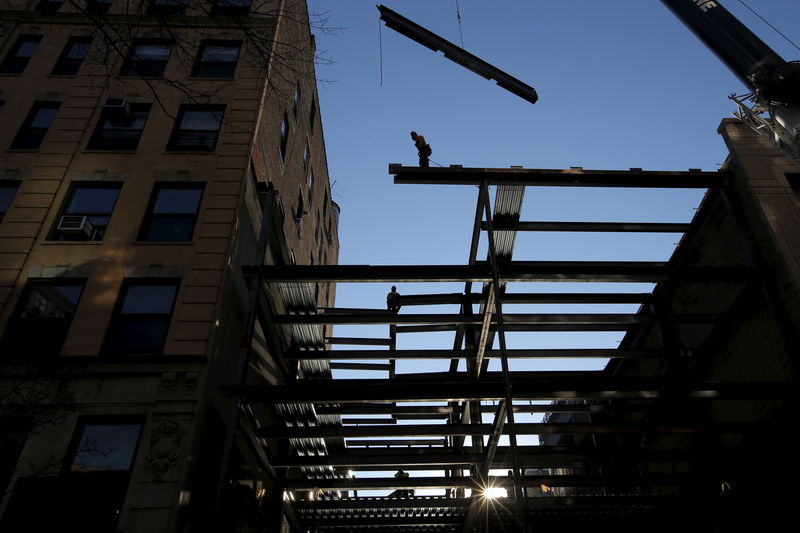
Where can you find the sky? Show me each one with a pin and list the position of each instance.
(621, 83)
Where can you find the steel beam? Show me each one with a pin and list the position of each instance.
(369, 391)
(539, 319)
(572, 177)
(517, 271)
(590, 227)
(577, 353)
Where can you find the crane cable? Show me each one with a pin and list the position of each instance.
(458, 16)
(768, 24)
(380, 46)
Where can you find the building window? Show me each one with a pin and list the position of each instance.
(231, 8)
(18, 57)
(49, 6)
(217, 59)
(172, 212)
(34, 129)
(306, 159)
(45, 306)
(167, 7)
(148, 58)
(119, 127)
(284, 135)
(7, 191)
(197, 128)
(141, 319)
(311, 187)
(296, 103)
(99, 7)
(71, 58)
(86, 212)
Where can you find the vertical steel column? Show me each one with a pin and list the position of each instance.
(240, 376)
(519, 494)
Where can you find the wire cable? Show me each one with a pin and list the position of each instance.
(380, 47)
(458, 16)
(770, 25)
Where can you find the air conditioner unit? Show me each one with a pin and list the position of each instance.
(77, 227)
(117, 108)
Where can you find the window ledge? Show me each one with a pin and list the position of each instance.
(24, 150)
(193, 152)
(62, 75)
(210, 78)
(109, 151)
(168, 243)
(51, 242)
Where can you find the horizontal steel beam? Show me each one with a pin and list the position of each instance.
(517, 271)
(531, 298)
(530, 456)
(578, 353)
(614, 227)
(450, 430)
(358, 341)
(573, 177)
(567, 480)
(440, 502)
(398, 443)
(538, 319)
(368, 391)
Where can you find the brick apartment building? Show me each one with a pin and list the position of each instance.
(142, 144)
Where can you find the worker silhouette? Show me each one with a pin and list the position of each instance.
(402, 474)
(393, 300)
(423, 148)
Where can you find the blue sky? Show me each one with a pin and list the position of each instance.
(622, 83)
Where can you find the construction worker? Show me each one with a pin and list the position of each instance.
(393, 300)
(423, 148)
(402, 474)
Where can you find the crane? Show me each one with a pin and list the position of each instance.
(772, 108)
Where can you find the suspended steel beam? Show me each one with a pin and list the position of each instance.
(517, 271)
(572, 177)
(427, 38)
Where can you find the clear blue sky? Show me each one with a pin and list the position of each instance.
(622, 83)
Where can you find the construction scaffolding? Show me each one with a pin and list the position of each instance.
(660, 438)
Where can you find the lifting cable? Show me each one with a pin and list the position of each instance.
(380, 47)
(458, 16)
(768, 24)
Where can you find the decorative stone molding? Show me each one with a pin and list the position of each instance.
(166, 440)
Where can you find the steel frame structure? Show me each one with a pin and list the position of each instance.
(384, 433)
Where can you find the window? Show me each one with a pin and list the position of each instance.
(311, 187)
(231, 8)
(46, 305)
(33, 130)
(167, 7)
(71, 58)
(296, 104)
(217, 59)
(49, 6)
(119, 128)
(284, 135)
(86, 212)
(18, 57)
(148, 58)
(105, 447)
(197, 128)
(141, 319)
(99, 7)
(7, 191)
(306, 158)
(172, 212)
(299, 210)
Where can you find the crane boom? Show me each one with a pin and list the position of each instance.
(427, 38)
(775, 83)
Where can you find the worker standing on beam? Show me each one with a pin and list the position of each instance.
(423, 148)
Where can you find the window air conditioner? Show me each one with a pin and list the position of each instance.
(117, 108)
(76, 226)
